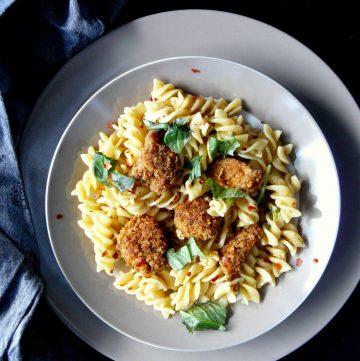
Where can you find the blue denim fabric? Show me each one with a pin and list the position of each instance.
(36, 38)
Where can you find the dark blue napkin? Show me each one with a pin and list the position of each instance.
(36, 38)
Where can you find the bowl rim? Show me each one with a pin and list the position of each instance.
(115, 79)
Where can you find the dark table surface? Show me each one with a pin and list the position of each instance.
(332, 32)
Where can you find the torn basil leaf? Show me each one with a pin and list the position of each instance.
(261, 196)
(122, 182)
(180, 258)
(102, 165)
(205, 316)
(177, 135)
(194, 165)
(224, 193)
(155, 126)
(224, 147)
(194, 248)
(228, 146)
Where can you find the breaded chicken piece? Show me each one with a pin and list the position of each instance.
(143, 245)
(157, 167)
(236, 249)
(192, 220)
(234, 173)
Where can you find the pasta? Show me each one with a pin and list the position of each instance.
(115, 190)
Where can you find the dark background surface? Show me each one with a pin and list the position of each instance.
(332, 32)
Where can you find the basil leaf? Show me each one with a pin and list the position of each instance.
(101, 167)
(224, 147)
(213, 147)
(205, 316)
(195, 166)
(228, 146)
(194, 248)
(224, 193)
(155, 126)
(122, 182)
(261, 196)
(180, 258)
(176, 137)
(181, 121)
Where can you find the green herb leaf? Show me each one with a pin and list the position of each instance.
(155, 126)
(212, 147)
(102, 165)
(205, 316)
(195, 166)
(194, 248)
(180, 258)
(224, 193)
(261, 196)
(177, 136)
(228, 146)
(224, 147)
(181, 121)
(122, 182)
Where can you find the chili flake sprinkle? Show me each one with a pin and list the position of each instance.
(267, 260)
(104, 254)
(188, 274)
(278, 266)
(251, 208)
(116, 255)
(59, 216)
(315, 260)
(109, 124)
(195, 70)
(299, 262)
(215, 278)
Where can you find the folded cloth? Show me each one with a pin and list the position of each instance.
(20, 288)
(36, 38)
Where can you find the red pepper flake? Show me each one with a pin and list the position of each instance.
(188, 274)
(315, 260)
(128, 165)
(59, 216)
(278, 266)
(299, 262)
(214, 279)
(116, 256)
(235, 288)
(109, 124)
(112, 271)
(141, 262)
(195, 70)
(266, 260)
(197, 97)
(104, 254)
(251, 208)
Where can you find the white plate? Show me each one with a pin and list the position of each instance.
(270, 103)
(248, 42)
